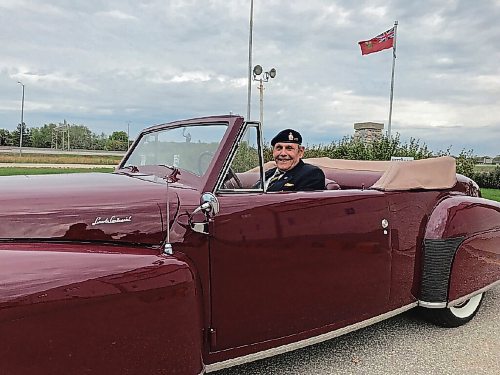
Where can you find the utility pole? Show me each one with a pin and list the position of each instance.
(128, 134)
(22, 123)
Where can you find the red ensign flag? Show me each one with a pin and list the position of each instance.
(379, 43)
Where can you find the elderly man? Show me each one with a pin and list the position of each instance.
(291, 173)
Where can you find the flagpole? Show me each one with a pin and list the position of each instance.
(392, 78)
(250, 62)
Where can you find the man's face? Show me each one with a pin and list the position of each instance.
(287, 155)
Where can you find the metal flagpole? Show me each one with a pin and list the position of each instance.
(392, 78)
(250, 62)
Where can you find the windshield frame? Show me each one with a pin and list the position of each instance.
(205, 182)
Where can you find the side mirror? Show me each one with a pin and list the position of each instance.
(209, 204)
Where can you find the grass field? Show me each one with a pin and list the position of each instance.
(493, 194)
(59, 159)
(484, 167)
(33, 171)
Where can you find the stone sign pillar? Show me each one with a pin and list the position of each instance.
(368, 131)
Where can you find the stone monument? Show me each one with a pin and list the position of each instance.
(368, 131)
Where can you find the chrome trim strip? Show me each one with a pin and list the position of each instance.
(432, 305)
(460, 300)
(306, 342)
(246, 190)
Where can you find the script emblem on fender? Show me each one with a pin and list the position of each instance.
(111, 220)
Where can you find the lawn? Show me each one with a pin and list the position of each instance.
(484, 167)
(31, 171)
(59, 159)
(493, 194)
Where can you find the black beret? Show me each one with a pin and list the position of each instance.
(287, 136)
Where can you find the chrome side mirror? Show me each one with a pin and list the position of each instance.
(209, 205)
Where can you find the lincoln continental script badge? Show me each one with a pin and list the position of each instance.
(111, 220)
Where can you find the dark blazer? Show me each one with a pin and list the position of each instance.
(302, 177)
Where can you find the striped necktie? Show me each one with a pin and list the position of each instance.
(275, 177)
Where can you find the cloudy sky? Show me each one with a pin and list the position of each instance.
(105, 64)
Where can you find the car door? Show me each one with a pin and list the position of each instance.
(286, 263)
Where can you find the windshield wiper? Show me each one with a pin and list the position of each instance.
(166, 166)
(132, 168)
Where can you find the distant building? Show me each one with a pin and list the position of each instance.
(484, 160)
(368, 131)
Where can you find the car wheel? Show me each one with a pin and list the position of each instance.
(457, 315)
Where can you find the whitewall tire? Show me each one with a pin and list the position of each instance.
(457, 315)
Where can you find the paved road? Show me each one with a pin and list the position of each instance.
(402, 345)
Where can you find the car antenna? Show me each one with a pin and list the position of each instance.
(172, 177)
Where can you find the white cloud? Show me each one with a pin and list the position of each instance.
(375, 11)
(191, 77)
(117, 14)
(53, 79)
(31, 6)
(490, 83)
(444, 61)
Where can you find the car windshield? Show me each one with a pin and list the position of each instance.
(190, 148)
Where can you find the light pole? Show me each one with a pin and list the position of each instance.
(128, 134)
(22, 122)
(261, 76)
(250, 37)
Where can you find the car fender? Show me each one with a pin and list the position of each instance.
(461, 250)
(94, 308)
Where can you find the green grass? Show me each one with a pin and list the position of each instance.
(32, 171)
(59, 159)
(484, 167)
(493, 194)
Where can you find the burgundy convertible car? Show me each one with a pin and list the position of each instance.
(177, 263)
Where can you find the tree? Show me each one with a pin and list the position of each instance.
(5, 138)
(80, 137)
(42, 137)
(99, 141)
(16, 135)
(117, 141)
(120, 136)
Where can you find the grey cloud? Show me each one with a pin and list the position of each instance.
(107, 63)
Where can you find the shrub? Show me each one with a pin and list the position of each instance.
(385, 147)
(489, 179)
(380, 149)
(465, 161)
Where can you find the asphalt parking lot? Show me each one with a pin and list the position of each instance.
(402, 345)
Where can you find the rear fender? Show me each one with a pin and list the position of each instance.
(461, 251)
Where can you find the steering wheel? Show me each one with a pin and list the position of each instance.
(231, 175)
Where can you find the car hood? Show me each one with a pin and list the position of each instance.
(85, 207)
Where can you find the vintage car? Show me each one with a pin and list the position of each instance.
(180, 263)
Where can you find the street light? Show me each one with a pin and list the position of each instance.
(22, 122)
(261, 76)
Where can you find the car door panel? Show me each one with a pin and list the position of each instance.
(285, 263)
